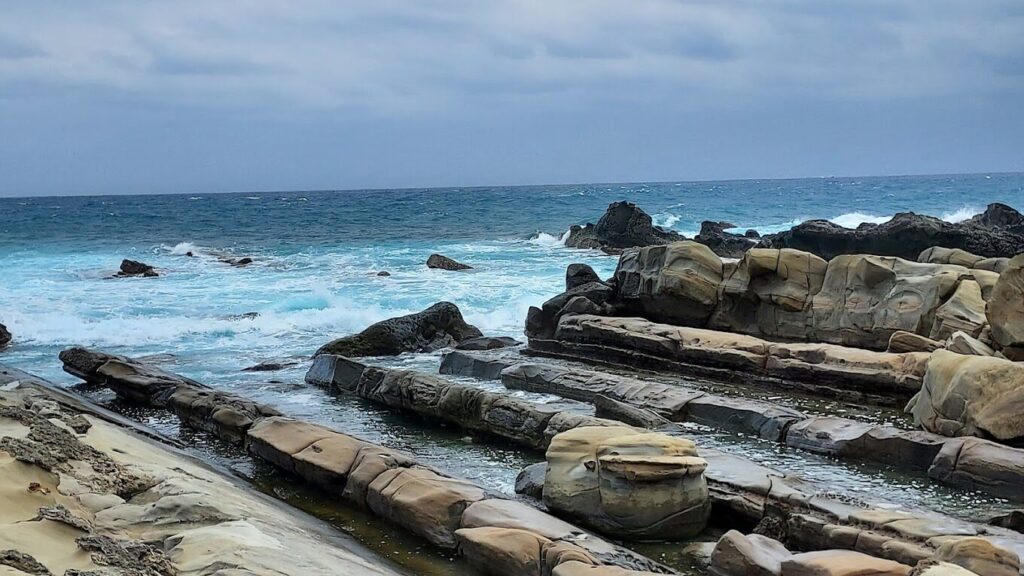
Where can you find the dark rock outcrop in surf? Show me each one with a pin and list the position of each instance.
(997, 232)
(725, 244)
(5, 337)
(623, 225)
(439, 326)
(442, 262)
(133, 268)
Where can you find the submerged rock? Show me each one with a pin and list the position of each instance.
(623, 225)
(440, 326)
(131, 268)
(442, 262)
(998, 232)
(5, 337)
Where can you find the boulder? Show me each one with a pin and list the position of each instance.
(130, 268)
(5, 337)
(442, 262)
(589, 298)
(902, 341)
(494, 550)
(271, 366)
(677, 283)
(383, 273)
(530, 480)
(487, 343)
(962, 343)
(840, 563)
(1014, 520)
(725, 244)
(997, 233)
(979, 556)
(635, 485)
(623, 225)
(753, 555)
(964, 311)
(976, 464)
(1006, 307)
(936, 568)
(440, 326)
(971, 395)
(940, 255)
(578, 275)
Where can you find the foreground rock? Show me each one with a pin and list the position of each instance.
(736, 554)
(100, 498)
(623, 225)
(442, 262)
(634, 485)
(5, 337)
(1006, 309)
(440, 326)
(392, 484)
(130, 268)
(971, 396)
(998, 232)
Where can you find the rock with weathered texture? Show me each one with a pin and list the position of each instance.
(737, 554)
(1006, 307)
(840, 563)
(977, 464)
(644, 486)
(623, 225)
(902, 341)
(936, 568)
(530, 480)
(979, 556)
(971, 395)
(962, 343)
(487, 343)
(462, 363)
(440, 326)
(964, 311)
(677, 283)
(725, 244)
(579, 274)
(5, 337)
(941, 255)
(442, 262)
(999, 232)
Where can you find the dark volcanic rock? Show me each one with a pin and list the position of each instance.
(271, 366)
(998, 232)
(134, 268)
(623, 225)
(439, 326)
(245, 261)
(725, 244)
(383, 273)
(488, 343)
(443, 262)
(578, 275)
(5, 337)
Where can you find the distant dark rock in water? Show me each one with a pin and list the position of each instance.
(440, 326)
(998, 232)
(442, 262)
(623, 225)
(131, 268)
(245, 261)
(189, 254)
(383, 273)
(488, 343)
(271, 366)
(725, 244)
(244, 316)
(5, 337)
(578, 275)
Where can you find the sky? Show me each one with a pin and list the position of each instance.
(213, 96)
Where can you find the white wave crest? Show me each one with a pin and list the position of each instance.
(182, 248)
(960, 214)
(665, 219)
(548, 240)
(854, 219)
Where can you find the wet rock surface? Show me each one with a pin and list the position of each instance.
(5, 337)
(442, 262)
(440, 326)
(998, 232)
(130, 268)
(623, 225)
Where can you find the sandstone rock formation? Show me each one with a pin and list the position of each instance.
(971, 395)
(840, 563)
(439, 326)
(737, 554)
(623, 225)
(1006, 309)
(442, 262)
(640, 486)
(998, 232)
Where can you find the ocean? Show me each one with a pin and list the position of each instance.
(316, 255)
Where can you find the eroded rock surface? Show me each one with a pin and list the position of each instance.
(623, 225)
(440, 326)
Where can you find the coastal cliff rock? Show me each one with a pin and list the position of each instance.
(635, 485)
(442, 262)
(971, 396)
(998, 232)
(623, 225)
(5, 337)
(1006, 309)
(440, 326)
(130, 268)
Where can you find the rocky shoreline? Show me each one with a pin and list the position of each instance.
(651, 398)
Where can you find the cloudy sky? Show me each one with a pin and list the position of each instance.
(206, 96)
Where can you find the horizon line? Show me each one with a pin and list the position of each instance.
(551, 184)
